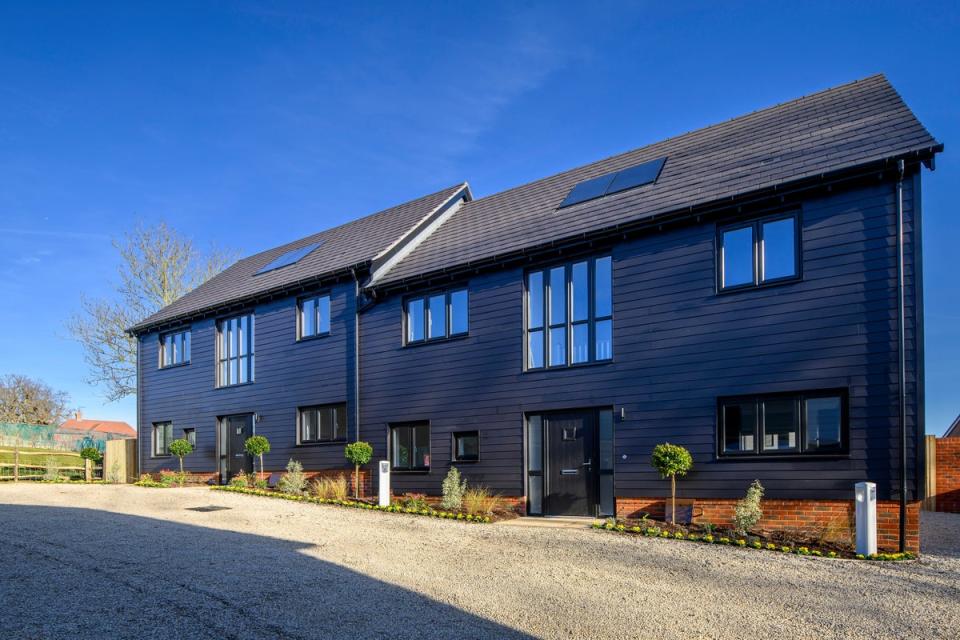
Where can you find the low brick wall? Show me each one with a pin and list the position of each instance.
(947, 492)
(827, 520)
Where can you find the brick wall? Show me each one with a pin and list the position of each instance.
(827, 520)
(948, 475)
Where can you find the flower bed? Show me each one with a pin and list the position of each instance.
(358, 504)
(750, 542)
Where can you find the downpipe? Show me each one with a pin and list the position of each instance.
(902, 357)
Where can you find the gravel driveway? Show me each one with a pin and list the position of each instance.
(125, 562)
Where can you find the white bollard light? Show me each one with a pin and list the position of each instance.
(384, 483)
(866, 500)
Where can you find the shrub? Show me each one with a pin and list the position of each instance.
(51, 471)
(331, 488)
(240, 480)
(414, 502)
(359, 454)
(479, 501)
(181, 448)
(169, 478)
(747, 513)
(453, 489)
(293, 482)
(671, 461)
(261, 483)
(146, 480)
(256, 446)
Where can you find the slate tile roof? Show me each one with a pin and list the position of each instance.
(832, 130)
(349, 245)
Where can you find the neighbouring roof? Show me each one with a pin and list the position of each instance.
(111, 427)
(350, 245)
(837, 129)
(953, 431)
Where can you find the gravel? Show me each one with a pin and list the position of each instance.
(126, 562)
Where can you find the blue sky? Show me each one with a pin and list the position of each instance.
(250, 124)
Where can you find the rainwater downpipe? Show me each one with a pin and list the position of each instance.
(902, 358)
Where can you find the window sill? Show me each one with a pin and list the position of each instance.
(164, 457)
(464, 461)
(174, 366)
(423, 343)
(234, 386)
(763, 285)
(568, 367)
(319, 336)
(410, 472)
(753, 457)
(307, 445)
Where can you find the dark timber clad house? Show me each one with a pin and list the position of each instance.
(736, 290)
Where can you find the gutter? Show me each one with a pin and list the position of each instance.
(902, 357)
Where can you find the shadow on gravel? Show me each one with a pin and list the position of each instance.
(86, 573)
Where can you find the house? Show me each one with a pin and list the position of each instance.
(104, 429)
(953, 431)
(736, 290)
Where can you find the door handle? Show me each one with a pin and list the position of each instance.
(588, 463)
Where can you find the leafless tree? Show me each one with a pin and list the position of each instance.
(157, 266)
(29, 401)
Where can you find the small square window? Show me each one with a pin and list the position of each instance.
(466, 446)
(190, 435)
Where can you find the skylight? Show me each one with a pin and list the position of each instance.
(629, 178)
(290, 257)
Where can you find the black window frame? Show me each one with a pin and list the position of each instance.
(300, 324)
(186, 339)
(190, 435)
(569, 323)
(166, 425)
(333, 406)
(756, 225)
(249, 357)
(447, 316)
(453, 444)
(394, 468)
(799, 399)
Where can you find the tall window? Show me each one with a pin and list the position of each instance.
(759, 252)
(190, 435)
(162, 437)
(235, 351)
(783, 424)
(323, 424)
(410, 447)
(570, 314)
(436, 316)
(175, 348)
(314, 316)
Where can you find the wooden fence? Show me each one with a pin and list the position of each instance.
(29, 463)
(120, 460)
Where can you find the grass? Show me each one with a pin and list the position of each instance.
(38, 457)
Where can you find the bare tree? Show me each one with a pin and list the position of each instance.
(158, 265)
(29, 401)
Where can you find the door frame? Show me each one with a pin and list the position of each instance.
(594, 488)
(222, 450)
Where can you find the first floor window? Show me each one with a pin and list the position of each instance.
(410, 447)
(570, 314)
(323, 424)
(759, 252)
(235, 350)
(174, 348)
(162, 436)
(783, 424)
(190, 435)
(436, 316)
(466, 446)
(314, 316)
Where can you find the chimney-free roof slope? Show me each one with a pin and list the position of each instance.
(836, 129)
(351, 245)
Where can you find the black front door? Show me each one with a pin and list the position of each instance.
(238, 429)
(571, 469)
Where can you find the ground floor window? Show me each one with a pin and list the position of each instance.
(323, 424)
(807, 423)
(190, 435)
(466, 446)
(410, 446)
(162, 437)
